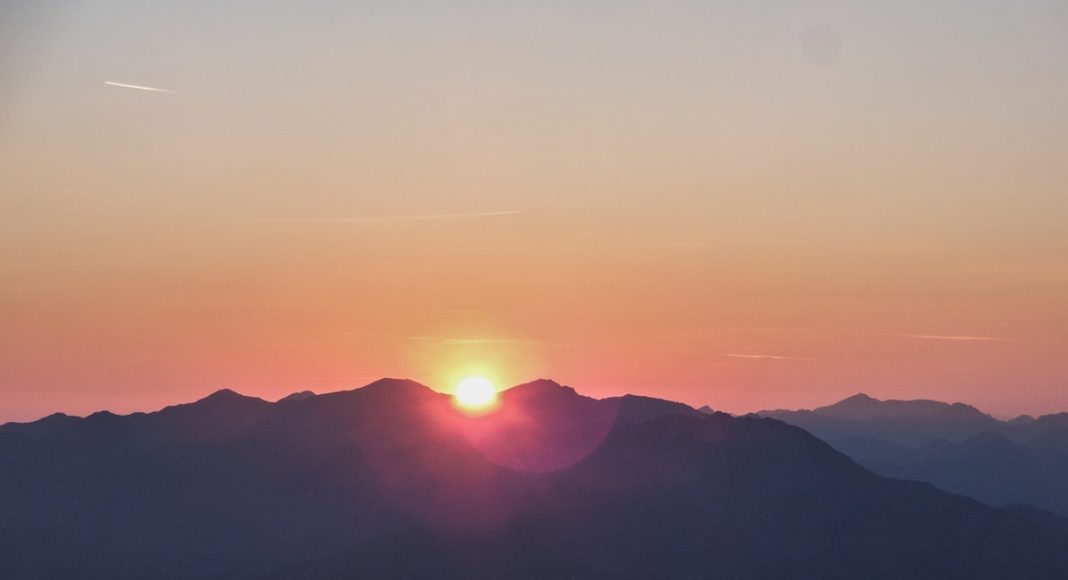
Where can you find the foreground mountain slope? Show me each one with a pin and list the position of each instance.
(391, 481)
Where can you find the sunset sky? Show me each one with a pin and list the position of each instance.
(742, 204)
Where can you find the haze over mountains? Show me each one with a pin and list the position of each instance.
(391, 481)
(955, 446)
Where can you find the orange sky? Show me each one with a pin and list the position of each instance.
(720, 203)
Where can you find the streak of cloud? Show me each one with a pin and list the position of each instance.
(139, 87)
(764, 356)
(771, 329)
(448, 341)
(956, 338)
(383, 219)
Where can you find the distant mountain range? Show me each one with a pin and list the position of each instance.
(390, 481)
(954, 446)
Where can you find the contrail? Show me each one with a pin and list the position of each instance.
(138, 87)
(951, 337)
(399, 218)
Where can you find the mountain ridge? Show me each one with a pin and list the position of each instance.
(955, 446)
(389, 480)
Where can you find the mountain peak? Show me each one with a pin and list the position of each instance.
(863, 407)
(298, 396)
(104, 415)
(394, 381)
(387, 388)
(224, 394)
(392, 384)
(860, 405)
(541, 384)
(221, 401)
(540, 387)
(1021, 420)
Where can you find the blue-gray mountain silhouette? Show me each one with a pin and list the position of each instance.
(390, 481)
(954, 446)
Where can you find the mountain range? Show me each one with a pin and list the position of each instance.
(391, 481)
(954, 446)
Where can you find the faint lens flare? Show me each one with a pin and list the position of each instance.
(139, 87)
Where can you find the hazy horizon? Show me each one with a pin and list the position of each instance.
(446, 389)
(748, 205)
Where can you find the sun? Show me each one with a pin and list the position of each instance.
(475, 394)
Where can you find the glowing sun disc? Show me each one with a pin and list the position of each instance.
(475, 394)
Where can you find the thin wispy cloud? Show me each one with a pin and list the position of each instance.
(763, 356)
(771, 329)
(451, 341)
(457, 341)
(963, 338)
(383, 219)
(138, 87)
(332, 378)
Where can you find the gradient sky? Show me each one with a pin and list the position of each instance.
(746, 204)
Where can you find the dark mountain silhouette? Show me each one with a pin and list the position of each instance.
(1021, 420)
(390, 481)
(862, 407)
(904, 422)
(954, 446)
(298, 396)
